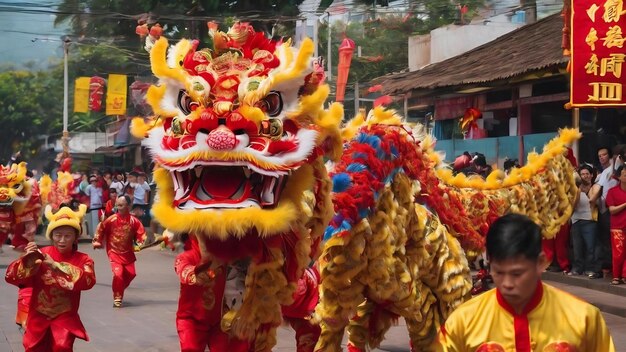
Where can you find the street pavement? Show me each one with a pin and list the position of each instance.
(147, 320)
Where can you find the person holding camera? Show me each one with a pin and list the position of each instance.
(584, 226)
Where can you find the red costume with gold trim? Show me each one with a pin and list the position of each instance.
(53, 322)
(200, 305)
(579, 326)
(121, 232)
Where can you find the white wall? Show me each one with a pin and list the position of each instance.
(419, 51)
(83, 142)
(453, 40)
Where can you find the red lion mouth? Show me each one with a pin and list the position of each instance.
(220, 186)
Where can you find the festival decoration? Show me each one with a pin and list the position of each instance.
(598, 51)
(468, 121)
(142, 30)
(346, 49)
(81, 94)
(116, 95)
(96, 92)
(240, 140)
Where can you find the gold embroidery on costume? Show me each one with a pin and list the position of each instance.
(53, 302)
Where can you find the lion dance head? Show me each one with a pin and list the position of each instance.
(15, 190)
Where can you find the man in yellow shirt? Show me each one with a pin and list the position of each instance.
(522, 313)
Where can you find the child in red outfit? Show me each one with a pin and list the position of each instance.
(57, 274)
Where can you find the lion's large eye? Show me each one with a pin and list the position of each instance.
(185, 103)
(272, 104)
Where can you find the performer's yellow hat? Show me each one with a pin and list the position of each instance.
(65, 217)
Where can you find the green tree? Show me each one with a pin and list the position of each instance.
(29, 106)
(383, 38)
(117, 19)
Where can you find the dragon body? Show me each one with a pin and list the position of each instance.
(250, 161)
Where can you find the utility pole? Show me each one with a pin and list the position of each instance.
(66, 135)
(315, 37)
(329, 54)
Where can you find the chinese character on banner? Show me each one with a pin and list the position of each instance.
(116, 95)
(598, 44)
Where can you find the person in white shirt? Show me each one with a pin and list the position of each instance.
(118, 183)
(141, 196)
(584, 228)
(94, 191)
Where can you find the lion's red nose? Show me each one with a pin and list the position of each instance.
(222, 138)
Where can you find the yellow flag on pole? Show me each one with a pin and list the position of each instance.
(116, 95)
(81, 94)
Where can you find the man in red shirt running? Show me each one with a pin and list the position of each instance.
(121, 231)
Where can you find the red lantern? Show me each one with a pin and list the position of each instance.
(212, 26)
(142, 30)
(345, 59)
(156, 31)
(96, 91)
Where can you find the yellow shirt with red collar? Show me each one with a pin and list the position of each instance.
(552, 320)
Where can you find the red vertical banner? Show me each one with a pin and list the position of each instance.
(598, 44)
(343, 68)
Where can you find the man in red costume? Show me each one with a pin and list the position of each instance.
(56, 274)
(200, 304)
(121, 231)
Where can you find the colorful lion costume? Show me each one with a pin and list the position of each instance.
(20, 204)
(241, 142)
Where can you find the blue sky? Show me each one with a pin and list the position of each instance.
(28, 33)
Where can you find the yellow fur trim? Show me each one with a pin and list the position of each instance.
(45, 186)
(253, 114)
(140, 128)
(224, 157)
(296, 68)
(65, 217)
(158, 59)
(154, 97)
(535, 163)
(330, 134)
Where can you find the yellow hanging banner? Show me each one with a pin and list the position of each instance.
(81, 94)
(116, 95)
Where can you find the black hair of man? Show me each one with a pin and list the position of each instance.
(592, 170)
(129, 202)
(609, 150)
(513, 235)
